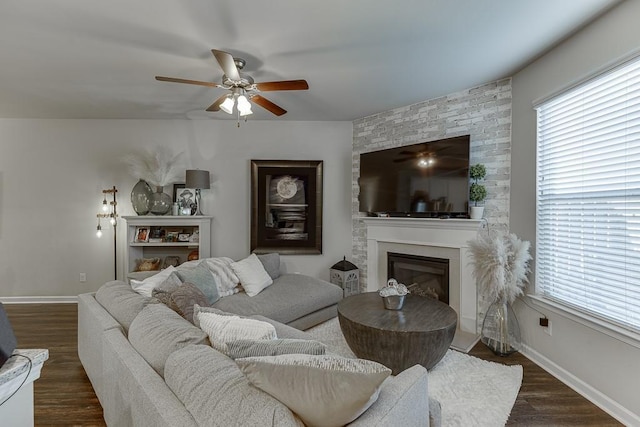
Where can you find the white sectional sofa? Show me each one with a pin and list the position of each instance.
(151, 367)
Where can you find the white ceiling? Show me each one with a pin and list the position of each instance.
(98, 59)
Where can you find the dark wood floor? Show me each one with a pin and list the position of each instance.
(64, 396)
(544, 400)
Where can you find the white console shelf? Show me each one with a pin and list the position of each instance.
(177, 224)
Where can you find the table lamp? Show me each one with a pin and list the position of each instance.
(199, 180)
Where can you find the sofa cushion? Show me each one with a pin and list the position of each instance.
(216, 393)
(271, 263)
(222, 329)
(158, 331)
(403, 401)
(253, 277)
(290, 297)
(203, 279)
(324, 391)
(256, 348)
(122, 302)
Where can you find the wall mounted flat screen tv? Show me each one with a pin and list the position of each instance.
(430, 179)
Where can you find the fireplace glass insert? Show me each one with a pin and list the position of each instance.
(424, 276)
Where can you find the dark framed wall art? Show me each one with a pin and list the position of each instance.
(286, 206)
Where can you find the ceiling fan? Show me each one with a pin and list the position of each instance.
(242, 87)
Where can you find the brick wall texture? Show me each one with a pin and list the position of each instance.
(483, 112)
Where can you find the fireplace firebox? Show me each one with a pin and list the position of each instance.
(424, 276)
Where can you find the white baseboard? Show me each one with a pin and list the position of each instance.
(604, 402)
(39, 300)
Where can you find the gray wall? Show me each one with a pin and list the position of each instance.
(603, 365)
(52, 173)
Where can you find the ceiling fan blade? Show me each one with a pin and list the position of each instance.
(283, 85)
(268, 105)
(216, 105)
(228, 65)
(191, 82)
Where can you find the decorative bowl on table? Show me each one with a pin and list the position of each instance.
(393, 295)
(393, 302)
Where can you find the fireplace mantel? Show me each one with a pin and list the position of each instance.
(460, 224)
(443, 238)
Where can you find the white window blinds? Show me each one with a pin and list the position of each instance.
(588, 200)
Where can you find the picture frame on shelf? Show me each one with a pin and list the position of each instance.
(171, 236)
(142, 235)
(286, 206)
(185, 197)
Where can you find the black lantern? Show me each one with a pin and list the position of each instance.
(346, 275)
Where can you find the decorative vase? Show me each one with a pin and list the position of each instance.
(141, 197)
(500, 329)
(160, 202)
(476, 212)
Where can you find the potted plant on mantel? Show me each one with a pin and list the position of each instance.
(477, 191)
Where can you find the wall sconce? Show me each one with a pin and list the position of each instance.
(198, 179)
(110, 210)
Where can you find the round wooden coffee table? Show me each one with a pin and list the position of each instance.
(420, 333)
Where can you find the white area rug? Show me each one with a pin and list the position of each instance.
(471, 391)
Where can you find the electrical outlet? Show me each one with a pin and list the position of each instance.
(547, 329)
(83, 277)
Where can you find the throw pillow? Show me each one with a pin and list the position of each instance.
(203, 279)
(226, 279)
(163, 291)
(183, 299)
(222, 329)
(271, 263)
(255, 348)
(197, 309)
(324, 391)
(141, 275)
(253, 277)
(146, 286)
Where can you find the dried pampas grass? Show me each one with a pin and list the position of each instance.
(500, 264)
(159, 167)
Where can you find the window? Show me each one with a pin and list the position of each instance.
(588, 197)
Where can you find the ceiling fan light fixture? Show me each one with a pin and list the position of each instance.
(244, 106)
(425, 163)
(227, 105)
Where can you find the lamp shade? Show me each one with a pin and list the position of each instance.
(197, 178)
(227, 105)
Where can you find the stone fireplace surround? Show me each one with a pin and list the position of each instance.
(437, 238)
